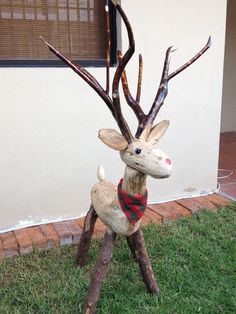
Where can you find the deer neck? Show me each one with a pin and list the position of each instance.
(134, 182)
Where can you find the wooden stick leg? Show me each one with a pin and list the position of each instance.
(131, 245)
(139, 251)
(100, 271)
(86, 236)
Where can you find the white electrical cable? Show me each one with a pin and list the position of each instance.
(230, 172)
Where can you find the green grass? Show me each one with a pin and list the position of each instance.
(193, 260)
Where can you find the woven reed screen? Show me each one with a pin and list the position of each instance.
(75, 27)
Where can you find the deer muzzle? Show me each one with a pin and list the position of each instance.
(152, 162)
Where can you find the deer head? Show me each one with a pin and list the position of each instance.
(140, 151)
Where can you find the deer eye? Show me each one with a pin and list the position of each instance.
(138, 151)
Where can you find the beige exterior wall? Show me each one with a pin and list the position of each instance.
(228, 120)
(49, 118)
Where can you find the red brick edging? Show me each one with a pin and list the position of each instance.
(22, 241)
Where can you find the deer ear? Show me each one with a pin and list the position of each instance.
(113, 139)
(158, 131)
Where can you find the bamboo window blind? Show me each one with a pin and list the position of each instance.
(74, 27)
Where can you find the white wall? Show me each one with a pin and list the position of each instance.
(228, 119)
(49, 118)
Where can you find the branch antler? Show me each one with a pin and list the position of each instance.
(114, 103)
(163, 87)
(134, 104)
(140, 77)
(145, 121)
(108, 48)
(187, 64)
(84, 74)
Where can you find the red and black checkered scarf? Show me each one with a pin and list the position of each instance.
(132, 206)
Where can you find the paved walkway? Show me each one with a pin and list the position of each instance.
(227, 165)
(47, 236)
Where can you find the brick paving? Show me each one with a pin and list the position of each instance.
(202, 202)
(51, 235)
(37, 237)
(1, 249)
(10, 245)
(75, 230)
(64, 233)
(24, 241)
(151, 217)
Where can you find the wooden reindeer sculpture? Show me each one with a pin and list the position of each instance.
(121, 210)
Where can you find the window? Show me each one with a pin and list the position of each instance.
(75, 27)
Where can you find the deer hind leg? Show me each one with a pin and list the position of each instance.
(138, 249)
(99, 272)
(131, 245)
(86, 236)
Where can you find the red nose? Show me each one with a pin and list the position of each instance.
(168, 161)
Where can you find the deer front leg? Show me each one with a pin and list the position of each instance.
(86, 236)
(137, 246)
(100, 271)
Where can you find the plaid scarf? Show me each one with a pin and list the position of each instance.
(132, 206)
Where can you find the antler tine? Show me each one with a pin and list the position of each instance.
(160, 96)
(114, 103)
(129, 98)
(163, 88)
(108, 48)
(118, 74)
(140, 77)
(85, 75)
(191, 61)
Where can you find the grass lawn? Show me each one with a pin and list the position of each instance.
(193, 259)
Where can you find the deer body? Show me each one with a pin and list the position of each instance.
(106, 204)
(139, 152)
(142, 158)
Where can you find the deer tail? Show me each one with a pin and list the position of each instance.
(101, 173)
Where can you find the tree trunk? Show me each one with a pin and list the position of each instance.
(132, 247)
(86, 236)
(100, 271)
(137, 246)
